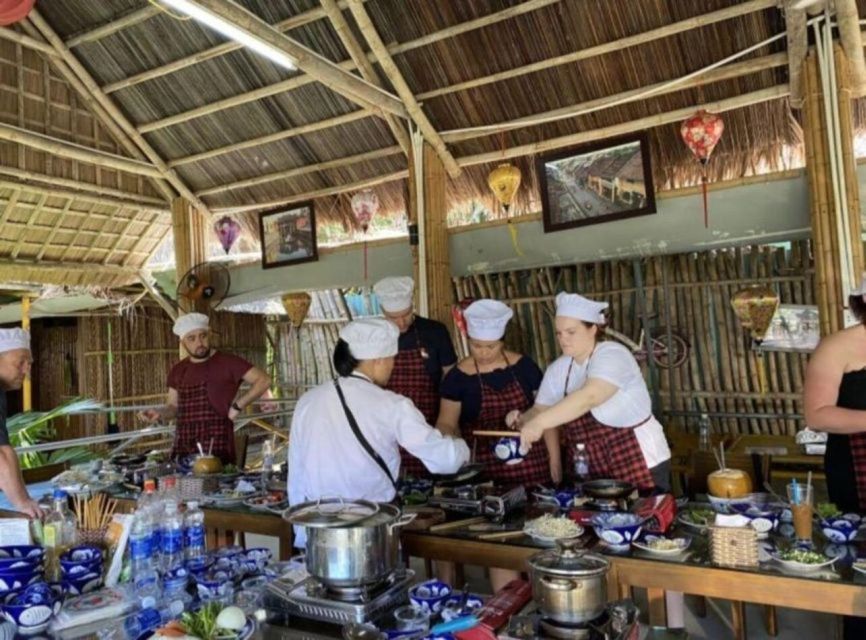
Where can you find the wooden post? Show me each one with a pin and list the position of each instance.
(439, 295)
(827, 237)
(27, 388)
(190, 244)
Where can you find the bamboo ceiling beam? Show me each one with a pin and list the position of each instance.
(300, 171)
(26, 41)
(109, 28)
(726, 72)
(377, 47)
(318, 13)
(20, 241)
(112, 109)
(94, 105)
(10, 267)
(649, 122)
(128, 198)
(328, 123)
(689, 24)
(54, 230)
(359, 57)
(319, 193)
(797, 38)
(65, 149)
(323, 70)
(303, 80)
(52, 190)
(852, 42)
(123, 234)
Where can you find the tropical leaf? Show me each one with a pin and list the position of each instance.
(72, 455)
(32, 427)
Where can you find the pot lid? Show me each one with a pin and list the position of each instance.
(568, 560)
(331, 512)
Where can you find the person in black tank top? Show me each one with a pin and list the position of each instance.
(834, 398)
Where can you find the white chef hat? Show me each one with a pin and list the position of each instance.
(572, 305)
(190, 322)
(371, 338)
(861, 290)
(486, 319)
(11, 339)
(395, 293)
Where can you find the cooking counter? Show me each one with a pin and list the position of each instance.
(840, 591)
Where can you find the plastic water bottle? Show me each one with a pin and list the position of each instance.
(171, 540)
(581, 462)
(147, 503)
(145, 579)
(267, 462)
(704, 443)
(149, 619)
(193, 532)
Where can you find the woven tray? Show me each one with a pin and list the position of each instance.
(733, 546)
(195, 487)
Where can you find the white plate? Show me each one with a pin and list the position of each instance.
(253, 503)
(802, 567)
(683, 542)
(860, 567)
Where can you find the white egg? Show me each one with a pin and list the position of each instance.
(231, 618)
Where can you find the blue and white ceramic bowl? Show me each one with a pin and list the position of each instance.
(215, 586)
(256, 559)
(763, 518)
(72, 570)
(82, 555)
(617, 529)
(84, 584)
(199, 566)
(840, 529)
(32, 609)
(229, 552)
(18, 581)
(430, 595)
(449, 607)
(507, 450)
(29, 551)
(20, 564)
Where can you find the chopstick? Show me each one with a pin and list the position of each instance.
(497, 434)
(456, 524)
(501, 535)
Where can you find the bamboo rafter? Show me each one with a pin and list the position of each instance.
(103, 31)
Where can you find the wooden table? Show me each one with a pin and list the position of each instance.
(845, 596)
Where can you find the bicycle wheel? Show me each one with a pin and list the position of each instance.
(667, 356)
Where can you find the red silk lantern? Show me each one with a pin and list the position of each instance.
(228, 230)
(457, 314)
(365, 205)
(12, 11)
(701, 133)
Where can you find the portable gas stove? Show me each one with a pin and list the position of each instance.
(618, 622)
(479, 499)
(313, 600)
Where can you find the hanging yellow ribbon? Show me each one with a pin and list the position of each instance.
(512, 230)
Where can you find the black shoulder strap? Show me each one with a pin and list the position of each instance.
(361, 439)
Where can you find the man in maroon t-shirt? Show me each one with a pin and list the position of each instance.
(202, 392)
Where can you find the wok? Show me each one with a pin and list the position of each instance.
(608, 489)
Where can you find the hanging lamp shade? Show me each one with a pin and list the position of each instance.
(702, 133)
(297, 305)
(365, 205)
(755, 307)
(228, 231)
(11, 11)
(504, 181)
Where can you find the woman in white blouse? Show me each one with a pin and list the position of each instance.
(596, 393)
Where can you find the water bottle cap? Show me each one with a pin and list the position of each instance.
(59, 494)
(192, 504)
(148, 602)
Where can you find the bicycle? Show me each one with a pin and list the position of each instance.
(664, 355)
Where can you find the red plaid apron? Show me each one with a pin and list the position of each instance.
(495, 405)
(613, 452)
(411, 379)
(858, 461)
(198, 422)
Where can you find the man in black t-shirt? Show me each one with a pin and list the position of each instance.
(15, 363)
(425, 355)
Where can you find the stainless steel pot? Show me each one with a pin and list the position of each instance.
(568, 585)
(350, 543)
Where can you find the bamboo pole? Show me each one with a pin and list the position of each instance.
(727, 72)
(116, 115)
(300, 171)
(377, 46)
(618, 45)
(848, 19)
(27, 41)
(124, 22)
(797, 37)
(73, 151)
(359, 57)
(316, 66)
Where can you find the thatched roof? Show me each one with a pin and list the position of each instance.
(188, 92)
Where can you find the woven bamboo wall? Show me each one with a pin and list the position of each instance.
(56, 369)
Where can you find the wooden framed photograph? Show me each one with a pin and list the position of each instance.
(598, 182)
(288, 235)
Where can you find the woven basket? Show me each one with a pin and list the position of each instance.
(194, 487)
(733, 546)
(93, 537)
